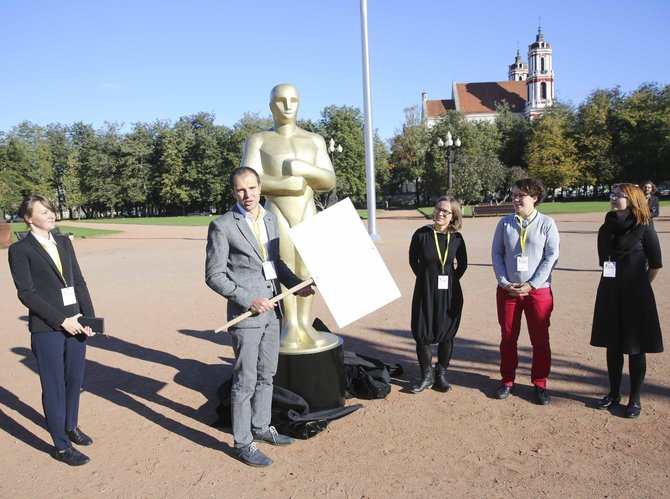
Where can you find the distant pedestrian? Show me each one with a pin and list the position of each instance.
(650, 192)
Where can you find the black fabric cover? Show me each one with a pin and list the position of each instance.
(368, 378)
(290, 412)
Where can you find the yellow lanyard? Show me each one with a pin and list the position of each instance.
(55, 256)
(443, 261)
(524, 229)
(257, 231)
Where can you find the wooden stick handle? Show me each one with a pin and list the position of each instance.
(275, 299)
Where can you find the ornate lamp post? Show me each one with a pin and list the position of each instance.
(332, 149)
(449, 144)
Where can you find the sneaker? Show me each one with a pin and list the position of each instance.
(503, 391)
(271, 436)
(72, 457)
(541, 396)
(252, 456)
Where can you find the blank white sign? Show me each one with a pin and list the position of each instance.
(344, 263)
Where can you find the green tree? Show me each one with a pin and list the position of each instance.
(171, 147)
(594, 138)
(551, 153)
(407, 160)
(641, 133)
(204, 161)
(345, 126)
(135, 167)
(513, 132)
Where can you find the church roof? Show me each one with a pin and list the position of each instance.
(436, 108)
(477, 98)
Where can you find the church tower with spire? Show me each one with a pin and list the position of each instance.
(519, 70)
(540, 81)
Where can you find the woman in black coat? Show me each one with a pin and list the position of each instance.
(625, 320)
(50, 284)
(438, 259)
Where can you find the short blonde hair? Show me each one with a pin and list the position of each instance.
(28, 204)
(456, 211)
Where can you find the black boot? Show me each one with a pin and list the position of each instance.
(426, 380)
(441, 384)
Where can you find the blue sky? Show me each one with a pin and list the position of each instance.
(125, 61)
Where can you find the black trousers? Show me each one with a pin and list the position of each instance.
(60, 363)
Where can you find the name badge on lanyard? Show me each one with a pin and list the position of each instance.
(269, 271)
(442, 279)
(522, 263)
(69, 297)
(522, 260)
(609, 269)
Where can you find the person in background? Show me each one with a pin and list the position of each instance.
(524, 253)
(625, 318)
(49, 282)
(438, 259)
(650, 191)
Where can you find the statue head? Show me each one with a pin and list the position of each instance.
(284, 102)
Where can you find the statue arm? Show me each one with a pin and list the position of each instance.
(321, 175)
(284, 185)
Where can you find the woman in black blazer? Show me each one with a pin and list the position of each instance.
(49, 282)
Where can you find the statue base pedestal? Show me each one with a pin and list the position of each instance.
(318, 377)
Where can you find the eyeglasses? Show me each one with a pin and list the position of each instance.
(444, 212)
(618, 195)
(519, 196)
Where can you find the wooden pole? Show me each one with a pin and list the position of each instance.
(280, 296)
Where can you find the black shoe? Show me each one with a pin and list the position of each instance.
(78, 437)
(441, 383)
(72, 457)
(503, 391)
(425, 382)
(608, 401)
(541, 396)
(633, 410)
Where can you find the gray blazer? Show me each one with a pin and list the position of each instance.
(234, 265)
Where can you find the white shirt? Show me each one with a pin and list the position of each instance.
(256, 229)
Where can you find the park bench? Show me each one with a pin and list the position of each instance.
(494, 210)
(20, 234)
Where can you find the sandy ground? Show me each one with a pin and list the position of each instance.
(149, 390)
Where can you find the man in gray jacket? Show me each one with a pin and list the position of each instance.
(243, 265)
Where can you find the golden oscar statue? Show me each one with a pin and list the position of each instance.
(293, 164)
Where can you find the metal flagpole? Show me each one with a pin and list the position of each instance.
(369, 142)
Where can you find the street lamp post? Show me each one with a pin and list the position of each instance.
(332, 149)
(449, 144)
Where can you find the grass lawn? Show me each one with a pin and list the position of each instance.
(191, 221)
(204, 220)
(553, 208)
(65, 229)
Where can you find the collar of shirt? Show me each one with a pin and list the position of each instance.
(262, 230)
(528, 220)
(247, 215)
(50, 241)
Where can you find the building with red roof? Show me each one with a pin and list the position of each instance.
(529, 90)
